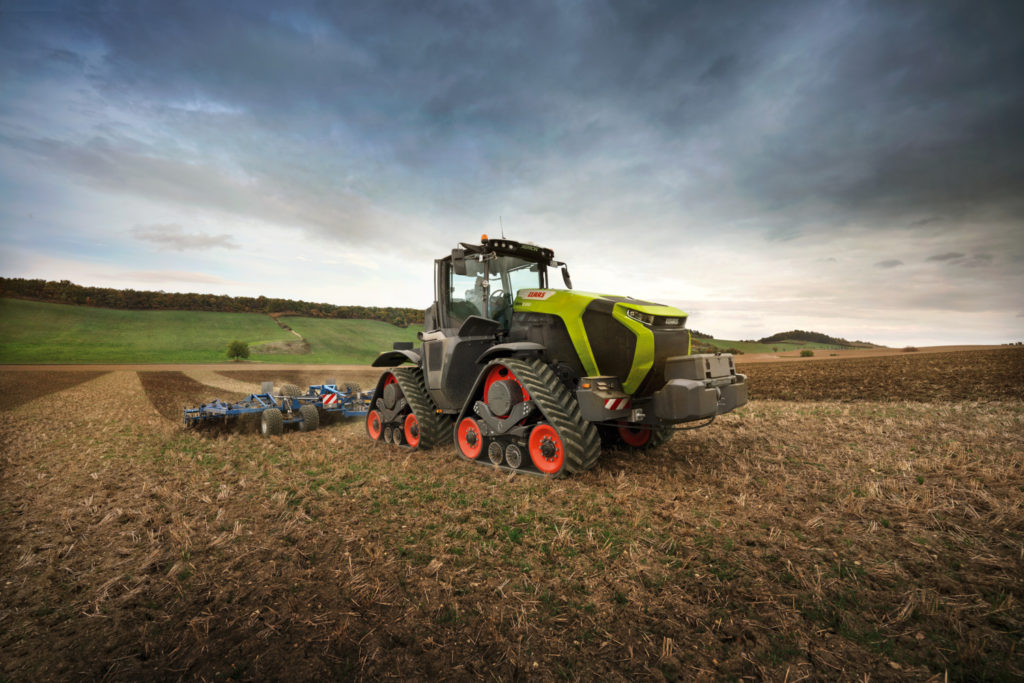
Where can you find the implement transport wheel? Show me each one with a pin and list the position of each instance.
(546, 450)
(310, 418)
(289, 390)
(374, 426)
(471, 441)
(271, 422)
(412, 431)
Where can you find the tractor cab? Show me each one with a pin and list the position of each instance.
(482, 280)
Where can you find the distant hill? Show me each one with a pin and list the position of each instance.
(811, 337)
(67, 292)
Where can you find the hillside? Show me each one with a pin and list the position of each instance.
(804, 336)
(34, 332)
(67, 292)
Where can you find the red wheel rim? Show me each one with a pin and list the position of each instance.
(412, 430)
(634, 437)
(373, 425)
(469, 431)
(498, 373)
(546, 450)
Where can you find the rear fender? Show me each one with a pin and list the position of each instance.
(390, 359)
(510, 349)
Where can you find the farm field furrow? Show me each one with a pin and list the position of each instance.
(16, 390)
(828, 539)
(972, 375)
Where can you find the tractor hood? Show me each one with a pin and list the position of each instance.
(614, 335)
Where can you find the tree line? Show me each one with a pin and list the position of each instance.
(806, 336)
(66, 292)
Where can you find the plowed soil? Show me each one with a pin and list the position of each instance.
(16, 390)
(828, 539)
(366, 378)
(964, 376)
(171, 392)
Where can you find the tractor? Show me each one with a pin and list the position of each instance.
(527, 378)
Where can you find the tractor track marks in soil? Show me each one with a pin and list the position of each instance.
(988, 375)
(216, 380)
(15, 390)
(171, 392)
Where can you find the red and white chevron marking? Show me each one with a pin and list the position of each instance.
(330, 399)
(616, 403)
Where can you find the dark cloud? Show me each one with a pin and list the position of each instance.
(889, 263)
(171, 236)
(865, 111)
(948, 256)
(977, 261)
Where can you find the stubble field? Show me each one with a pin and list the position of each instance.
(855, 519)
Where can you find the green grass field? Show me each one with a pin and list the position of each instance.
(32, 332)
(343, 341)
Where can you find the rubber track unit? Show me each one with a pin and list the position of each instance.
(435, 429)
(580, 440)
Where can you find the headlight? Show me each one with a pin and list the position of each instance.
(645, 318)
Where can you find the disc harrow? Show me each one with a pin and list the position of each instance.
(288, 406)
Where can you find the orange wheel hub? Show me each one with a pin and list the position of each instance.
(546, 449)
(374, 424)
(412, 431)
(471, 440)
(633, 436)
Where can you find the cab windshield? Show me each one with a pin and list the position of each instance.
(489, 288)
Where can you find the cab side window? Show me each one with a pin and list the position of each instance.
(467, 297)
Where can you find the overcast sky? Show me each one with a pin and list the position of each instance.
(855, 168)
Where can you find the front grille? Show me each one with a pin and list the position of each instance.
(613, 344)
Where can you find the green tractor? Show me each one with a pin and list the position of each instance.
(528, 378)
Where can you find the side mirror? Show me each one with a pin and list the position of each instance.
(565, 276)
(459, 262)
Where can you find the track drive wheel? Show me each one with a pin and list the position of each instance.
(374, 425)
(642, 437)
(546, 449)
(470, 439)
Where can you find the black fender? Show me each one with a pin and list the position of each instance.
(390, 359)
(510, 349)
